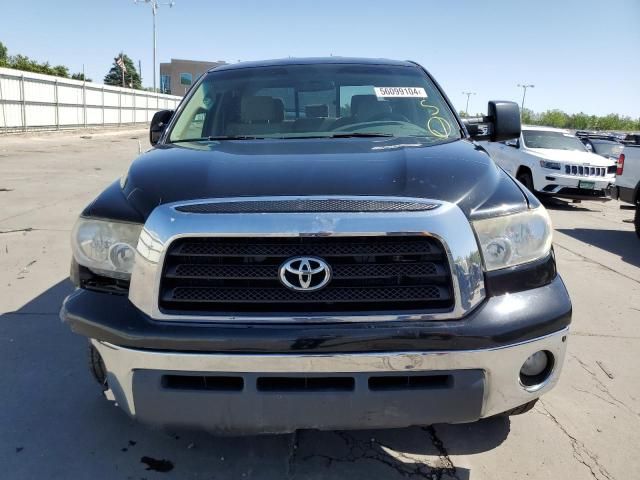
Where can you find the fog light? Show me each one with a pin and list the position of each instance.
(536, 369)
(535, 364)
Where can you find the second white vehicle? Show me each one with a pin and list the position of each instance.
(551, 161)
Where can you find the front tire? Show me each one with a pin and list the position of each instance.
(525, 178)
(97, 367)
(636, 220)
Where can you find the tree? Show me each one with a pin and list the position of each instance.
(60, 71)
(131, 76)
(80, 76)
(4, 55)
(527, 116)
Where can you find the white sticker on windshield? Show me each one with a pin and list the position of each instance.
(400, 92)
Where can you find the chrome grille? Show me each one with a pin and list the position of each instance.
(241, 275)
(583, 171)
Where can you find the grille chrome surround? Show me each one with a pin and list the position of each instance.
(447, 224)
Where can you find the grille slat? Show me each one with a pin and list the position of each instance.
(241, 275)
(269, 272)
(334, 295)
(198, 249)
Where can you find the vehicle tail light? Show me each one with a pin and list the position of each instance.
(620, 168)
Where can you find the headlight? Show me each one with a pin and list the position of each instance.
(551, 165)
(105, 248)
(514, 239)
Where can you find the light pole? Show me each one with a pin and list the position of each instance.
(154, 9)
(468, 94)
(524, 93)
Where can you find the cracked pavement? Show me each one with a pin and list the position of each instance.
(54, 423)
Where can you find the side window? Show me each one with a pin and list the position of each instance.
(191, 122)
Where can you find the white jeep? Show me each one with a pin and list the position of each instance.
(554, 162)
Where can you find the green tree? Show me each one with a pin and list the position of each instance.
(131, 77)
(527, 116)
(555, 118)
(80, 76)
(4, 55)
(60, 71)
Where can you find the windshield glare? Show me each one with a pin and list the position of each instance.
(324, 100)
(553, 140)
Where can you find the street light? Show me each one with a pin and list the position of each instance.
(154, 9)
(468, 94)
(524, 93)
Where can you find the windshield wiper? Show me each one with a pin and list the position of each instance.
(360, 134)
(218, 137)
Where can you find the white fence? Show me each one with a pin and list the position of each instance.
(33, 101)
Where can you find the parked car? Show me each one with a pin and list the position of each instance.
(553, 162)
(608, 146)
(365, 266)
(628, 180)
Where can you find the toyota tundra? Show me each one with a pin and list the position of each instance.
(319, 244)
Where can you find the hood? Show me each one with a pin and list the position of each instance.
(571, 156)
(459, 172)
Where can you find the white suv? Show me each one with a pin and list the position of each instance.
(553, 162)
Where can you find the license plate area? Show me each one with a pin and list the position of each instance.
(586, 185)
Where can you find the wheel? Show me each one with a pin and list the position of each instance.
(525, 178)
(519, 410)
(97, 368)
(636, 220)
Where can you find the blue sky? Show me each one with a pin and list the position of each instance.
(581, 55)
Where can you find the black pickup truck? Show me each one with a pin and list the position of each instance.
(319, 243)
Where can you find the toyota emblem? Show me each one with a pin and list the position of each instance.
(305, 274)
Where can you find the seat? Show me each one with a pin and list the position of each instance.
(365, 107)
(315, 120)
(258, 115)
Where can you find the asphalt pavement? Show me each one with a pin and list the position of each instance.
(55, 424)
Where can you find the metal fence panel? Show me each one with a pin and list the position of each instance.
(31, 100)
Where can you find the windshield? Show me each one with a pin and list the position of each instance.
(308, 101)
(549, 139)
(607, 149)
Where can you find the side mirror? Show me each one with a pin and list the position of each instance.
(515, 143)
(501, 123)
(158, 124)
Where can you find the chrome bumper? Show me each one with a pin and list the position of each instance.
(502, 389)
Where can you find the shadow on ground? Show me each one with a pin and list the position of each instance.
(623, 243)
(558, 204)
(55, 424)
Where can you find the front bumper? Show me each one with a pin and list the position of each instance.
(276, 393)
(568, 186)
(475, 361)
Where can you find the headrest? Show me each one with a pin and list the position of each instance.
(316, 111)
(367, 106)
(261, 110)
